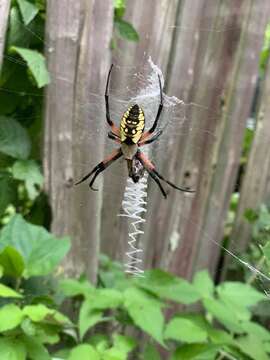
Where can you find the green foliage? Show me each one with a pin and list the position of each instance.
(122, 28)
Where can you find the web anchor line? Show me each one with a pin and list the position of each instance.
(134, 209)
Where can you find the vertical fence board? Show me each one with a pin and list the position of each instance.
(255, 184)
(4, 12)
(77, 66)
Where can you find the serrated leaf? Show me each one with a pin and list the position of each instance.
(36, 63)
(14, 139)
(145, 312)
(239, 293)
(7, 292)
(10, 317)
(126, 30)
(184, 330)
(12, 349)
(169, 287)
(28, 11)
(12, 262)
(29, 172)
(84, 352)
(40, 250)
(102, 299)
(203, 283)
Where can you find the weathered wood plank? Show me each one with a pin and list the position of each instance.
(78, 67)
(255, 185)
(4, 12)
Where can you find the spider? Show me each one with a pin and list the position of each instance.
(131, 137)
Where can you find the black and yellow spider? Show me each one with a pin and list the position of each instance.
(131, 137)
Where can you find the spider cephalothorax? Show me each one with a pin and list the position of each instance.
(131, 137)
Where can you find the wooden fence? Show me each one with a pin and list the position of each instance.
(208, 51)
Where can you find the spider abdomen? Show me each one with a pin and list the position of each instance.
(132, 125)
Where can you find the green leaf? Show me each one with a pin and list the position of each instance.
(185, 330)
(10, 317)
(102, 299)
(40, 250)
(196, 352)
(266, 250)
(84, 352)
(14, 140)
(119, 4)
(151, 353)
(145, 313)
(239, 293)
(40, 312)
(12, 262)
(71, 287)
(169, 287)
(223, 314)
(7, 292)
(88, 318)
(12, 349)
(125, 344)
(35, 350)
(252, 346)
(8, 191)
(29, 172)
(28, 11)
(256, 330)
(203, 283)
(36, 63)
(126, 30)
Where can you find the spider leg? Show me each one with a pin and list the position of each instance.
(114, 137)
(153, 128)
(151, 169)
(152, 139)
(101, 167)
(115, 130)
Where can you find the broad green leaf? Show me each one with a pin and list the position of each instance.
(184, 330)
(257, 330)
(40, 312)
(126, 30)
(151, 353)
(125, 344)
(40, 250)
(29, 172)
(239, 293)
(36, 63)
(102, 299)
(196, 352)
(145, 313)
(100, 342)
(252, 346)
(12, 349)
(14, 140)
(71, 287)
(203, 283)
(84, 352)
(223, 314)
(12, 262)
(35, 350)
(88, 318)
(8, 191)
(7, 292)
(169, 287)
(28, 11)
(10, 317)
(218, 336)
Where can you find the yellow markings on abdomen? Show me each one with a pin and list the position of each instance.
(132, 125)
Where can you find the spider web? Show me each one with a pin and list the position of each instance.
(177, 121)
